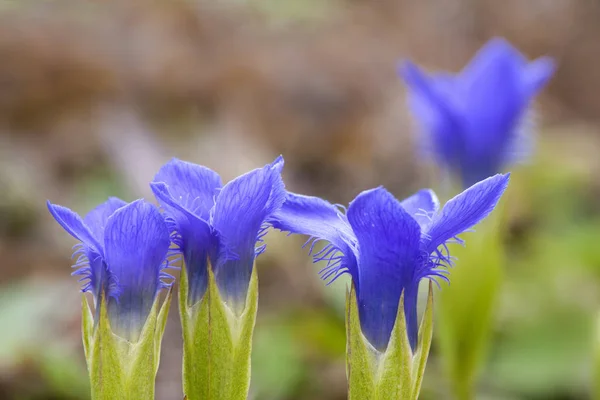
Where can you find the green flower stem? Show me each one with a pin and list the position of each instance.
(467, 306)
(216, 343)
(596, 373)
(397, 373)
(120, 369)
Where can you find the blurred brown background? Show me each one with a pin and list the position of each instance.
(96, 95)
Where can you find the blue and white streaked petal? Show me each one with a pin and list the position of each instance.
(241, 210)
(220, 224)
(422, 206)
(192, 186)
(321, 220)
(389, 241)
(96, 219)
(88, 254)
(136, 244)
(74, 225)
(465, 211)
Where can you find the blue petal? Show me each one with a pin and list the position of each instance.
(489, 54)
(97, 218)
(421, 206)
(277, 164)
(136, 242)
(464, 211)
(536, 75)
(388, 239)
(89, 263)
(494, 106)
(74, 225)
(195, 239)
(433, 95)
(241, 209)
(191, 185)
(493, 76)
(437, 109)
(319, 219)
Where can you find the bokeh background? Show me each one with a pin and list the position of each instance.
(95, 96)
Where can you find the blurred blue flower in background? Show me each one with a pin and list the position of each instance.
(388, 246)
(219, 224)
(477, 122)
(122, 255)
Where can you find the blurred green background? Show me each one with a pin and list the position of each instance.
(95, 96)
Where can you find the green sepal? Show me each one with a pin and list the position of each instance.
(120, 369)
(423, 345)
(87, 325)
(395, 373)
(217, 344)
(161, 323)
(361, 356)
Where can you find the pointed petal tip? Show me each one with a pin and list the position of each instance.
(502, 179)
(379, 190)
(50, 206)
(279, 160)
(466, 209)
(538, 73)
(498, 42)
(158, 186)
(495, 183)
(500, 47)
(116, 199)
(74, 225)
(410, 72)
(277, 164)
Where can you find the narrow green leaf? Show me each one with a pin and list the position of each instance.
(423, 345)
(87, 326)
(361, 357)
(191, 369)
(243, 350)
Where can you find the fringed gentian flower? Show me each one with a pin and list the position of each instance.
(477, 122)
(217, 228)
(387, 246)
(122, 256)
(219, 223)
(122, 259)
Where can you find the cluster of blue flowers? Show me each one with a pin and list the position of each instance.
(473, 122)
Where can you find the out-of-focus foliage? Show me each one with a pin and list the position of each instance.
(467, 307)
(596, 371)
(95, 96)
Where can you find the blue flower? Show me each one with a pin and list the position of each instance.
(477, 122)
(388, 246)
(220, 224)
(121, 257)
